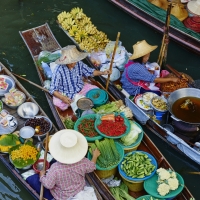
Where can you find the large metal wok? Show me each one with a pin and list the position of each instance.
(180, 93)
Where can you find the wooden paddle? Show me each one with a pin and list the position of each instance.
(163, 50)
(194, 173)
(112, 59)
(44, 164)
(40, 87)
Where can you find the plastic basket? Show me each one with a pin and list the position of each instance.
(153, 161)
(147, 197)
(150, 186)
(121, 152)
(90, 116)
(133, 146)
(126, 122)
(106, 173)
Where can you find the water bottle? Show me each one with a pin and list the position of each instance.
(47, 70)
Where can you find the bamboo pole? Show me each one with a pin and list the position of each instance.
(44, 165)
(38, 86)
(163, 50)
(194, 173)
(112, 59)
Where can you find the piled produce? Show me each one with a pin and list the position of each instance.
(137, 165)
(68, 122)
(82, 30)
(109, 154)
(167, 181)
(8, 141)
(132, 135)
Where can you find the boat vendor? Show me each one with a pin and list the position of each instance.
(65, 180)
(67, 79)
(136, 78)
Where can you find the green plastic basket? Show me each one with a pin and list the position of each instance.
(126, 122)
(150, 185)
(121, 152)
(89, 116)
(139, 139)
(147, 197)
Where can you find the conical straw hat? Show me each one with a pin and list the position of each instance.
(69, 55)
(194, 7)
(141, 48)
(179, 11)
(68, 146)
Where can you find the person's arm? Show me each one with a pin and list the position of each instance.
(96, 154)
(165, 80)
(99, 73)
(64, 99)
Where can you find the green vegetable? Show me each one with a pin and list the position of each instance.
(107, 108)
(69, 123)
(9, 140)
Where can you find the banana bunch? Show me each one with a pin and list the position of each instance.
(63, 15)
(81, 28)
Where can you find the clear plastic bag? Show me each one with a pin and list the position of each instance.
(95, 59)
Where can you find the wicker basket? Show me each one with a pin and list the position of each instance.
(106, 173)
(127, 150)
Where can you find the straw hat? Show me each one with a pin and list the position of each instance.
(68, 146)
(69, 55)
(194, 7)
(141, 48)
(160, 3)
(179, 11)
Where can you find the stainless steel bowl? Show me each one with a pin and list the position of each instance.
(27, 110)
(161, 98)
(46, 119)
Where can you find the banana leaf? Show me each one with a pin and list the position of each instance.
(8, 140)
(20, 162)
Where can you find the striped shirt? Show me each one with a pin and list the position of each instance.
(136, 72)
(65, 181)
(69, 81)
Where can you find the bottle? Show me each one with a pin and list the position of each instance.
(47, 70)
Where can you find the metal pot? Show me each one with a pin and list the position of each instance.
(180, 93)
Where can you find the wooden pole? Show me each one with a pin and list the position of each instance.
(112, 59)
(44, 164)
(40, 87)
(163, 50)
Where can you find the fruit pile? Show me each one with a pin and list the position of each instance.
(82, 30)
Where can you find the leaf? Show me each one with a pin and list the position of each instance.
(9, 140)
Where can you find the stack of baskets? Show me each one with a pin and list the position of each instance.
(136, 184)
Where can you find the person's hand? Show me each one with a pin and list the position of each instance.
(66, 100)
(174, 79)
(96, 153)
(42, 172)
(106, 72)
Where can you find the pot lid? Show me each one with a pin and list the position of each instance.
(85, 103)
(98, 96)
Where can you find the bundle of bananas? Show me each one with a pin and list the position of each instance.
(81, 28)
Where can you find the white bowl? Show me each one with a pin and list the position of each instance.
(156, 108)
(26, 132)
(147, 96)
(27, 110)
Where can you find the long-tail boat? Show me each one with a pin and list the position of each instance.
(138, 10)
(49, 43)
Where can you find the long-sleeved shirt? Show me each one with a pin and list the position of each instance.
(136, 72)
(65, 181)
(69, 81)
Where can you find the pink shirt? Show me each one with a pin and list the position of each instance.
(67, 180)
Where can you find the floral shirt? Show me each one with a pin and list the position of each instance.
(65, 181)
(136, 72)
(69, 81)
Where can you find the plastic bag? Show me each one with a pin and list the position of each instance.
(95, 59)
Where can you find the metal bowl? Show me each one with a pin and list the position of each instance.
(27, 110)
(26, 132)
(15, 106)
(46, 119)
(160, 98)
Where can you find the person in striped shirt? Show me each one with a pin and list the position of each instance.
(67, 79)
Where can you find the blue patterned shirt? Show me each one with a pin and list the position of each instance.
(136, 72)
(69, 81)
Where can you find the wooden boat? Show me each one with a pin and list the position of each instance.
(185, 39)
(146, 144)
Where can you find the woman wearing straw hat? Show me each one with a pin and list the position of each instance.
(65, 180)
(67, 79)
(136, 78)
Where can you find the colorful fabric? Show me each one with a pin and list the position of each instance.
(63, 106)
(136, 73)
(70, 81)
(65, 181)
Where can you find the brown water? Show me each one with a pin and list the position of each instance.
(187, 112)
(21, 15)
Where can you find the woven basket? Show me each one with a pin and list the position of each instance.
(127, 150)
(133, 185)
(106, 173)
(170, 87)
